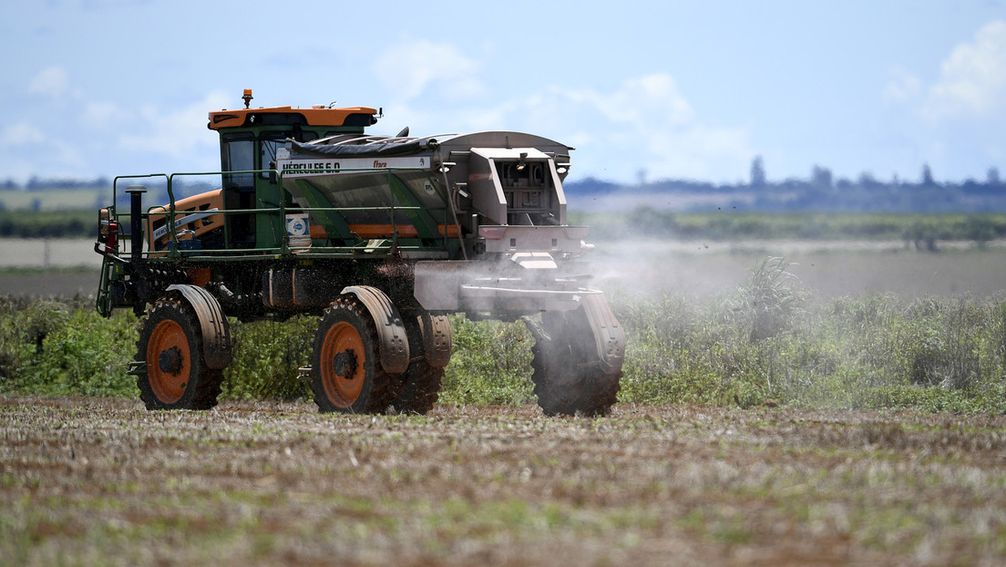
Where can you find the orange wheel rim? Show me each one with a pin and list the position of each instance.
(343, 360)
(169, 361)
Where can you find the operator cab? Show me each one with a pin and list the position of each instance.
(249, 138)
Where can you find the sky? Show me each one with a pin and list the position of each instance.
(643, 90)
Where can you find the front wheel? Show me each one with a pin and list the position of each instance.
(568, 378)
(175, 374)
(346, 375)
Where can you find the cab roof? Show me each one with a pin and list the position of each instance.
(353, 116)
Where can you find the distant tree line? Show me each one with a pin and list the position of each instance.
(823, 191)
(918, 231)
(48, 224)
(35, 183)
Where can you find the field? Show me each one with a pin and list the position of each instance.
(102, 481)
(703, 270)
(55, 219)
(650, 267)
(54, 199)
(37, 282)
(844, 405)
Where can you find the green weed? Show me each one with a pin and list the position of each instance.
(764, 345)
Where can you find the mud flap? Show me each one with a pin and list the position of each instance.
(607, 333)
(609, 336)
(394, 347)
(436, 333)
(216, 333)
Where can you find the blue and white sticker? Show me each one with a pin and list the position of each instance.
(306, 167)
(297, 225)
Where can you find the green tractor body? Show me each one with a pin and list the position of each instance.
(380, 236)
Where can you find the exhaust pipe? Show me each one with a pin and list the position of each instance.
(136, 222)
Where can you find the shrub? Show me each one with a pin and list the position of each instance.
(769, 300)
(79, 353)
(765, 345)
(267, 357)
(491, 363)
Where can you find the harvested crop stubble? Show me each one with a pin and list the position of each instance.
(102, 480)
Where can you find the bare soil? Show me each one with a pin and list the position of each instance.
(67, 282)
(827, 269)
(103, 481)
(48, 253)
(695, 269)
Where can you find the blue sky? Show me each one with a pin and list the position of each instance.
(672, 89)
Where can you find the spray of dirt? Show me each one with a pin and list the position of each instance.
(702, 270)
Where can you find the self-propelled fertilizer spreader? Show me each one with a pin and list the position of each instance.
(380, 236)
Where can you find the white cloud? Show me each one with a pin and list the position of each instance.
(412, 68)
(179, 134)
(902, 87)
(20, 134)
(646, 122)
(52, 82)
(972, 79)
(102, 114)
(150, 138)
(68, 158)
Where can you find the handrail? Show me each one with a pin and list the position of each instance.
(305, 209)
(173, 230)
(115, 182)
(284, 248)
(115, 188)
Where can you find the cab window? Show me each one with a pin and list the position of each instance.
(238, 154)
(269, 142)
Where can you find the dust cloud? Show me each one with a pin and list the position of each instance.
(702, 270)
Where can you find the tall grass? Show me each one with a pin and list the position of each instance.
(63, 348)
(767, 343)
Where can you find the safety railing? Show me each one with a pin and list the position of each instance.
(176, 251)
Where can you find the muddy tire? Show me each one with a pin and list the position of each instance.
(171, 347)
(346, 373)
(429, 336)
(421, 388)
(568, 378)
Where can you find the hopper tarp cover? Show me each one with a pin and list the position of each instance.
(379, 147)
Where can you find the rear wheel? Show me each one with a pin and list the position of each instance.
(421, 383)
(346, 374)
(568, 377)
(421, 388)
(170, 348)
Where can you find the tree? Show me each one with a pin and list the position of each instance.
(867, 180)
(927, 175)
(757, 172)
(641, 176)
(821, 177)
(992, 177)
